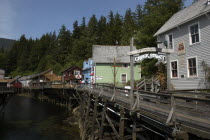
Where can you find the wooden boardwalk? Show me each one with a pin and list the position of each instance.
(183, 112)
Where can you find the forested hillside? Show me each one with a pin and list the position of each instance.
(6, 43)
(65, 48)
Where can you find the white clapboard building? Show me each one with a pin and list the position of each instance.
(188, 34)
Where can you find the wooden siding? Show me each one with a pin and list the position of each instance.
(104, 73)
(68, 77)
(199, 50)
(16, 84)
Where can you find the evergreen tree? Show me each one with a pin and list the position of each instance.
(60, 51)
(64, 42)
(76, 32)
(101, 32)
(129, 26)
(155, 14)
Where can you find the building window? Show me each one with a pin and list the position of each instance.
(125, 65)
(192, 67)
(69, 73)
(194, 33)
(174, 69)
(76, 72)
(170, 41)
(123, 78)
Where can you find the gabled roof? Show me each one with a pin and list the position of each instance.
(12, 80)
(197, 9)
(52, 77)
(39, 74)
(106, 54)
(71, 68)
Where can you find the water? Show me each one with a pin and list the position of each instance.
(29, 119)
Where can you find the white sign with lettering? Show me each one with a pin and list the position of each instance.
(149, 56)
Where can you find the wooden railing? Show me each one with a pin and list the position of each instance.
(151, 83)
(191, 110)
(4, 90)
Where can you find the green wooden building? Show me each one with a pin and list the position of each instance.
(110, 61)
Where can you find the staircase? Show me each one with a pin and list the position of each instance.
(149, 84)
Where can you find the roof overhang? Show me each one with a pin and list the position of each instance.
(199, 15)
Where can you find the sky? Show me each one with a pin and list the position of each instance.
(37, 17)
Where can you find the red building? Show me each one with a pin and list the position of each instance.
(15, 83)
(72, 75)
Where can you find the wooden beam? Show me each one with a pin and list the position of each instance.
(112, 126)
(134, 128)
(94, 118)
(122, 124)
(101, 134)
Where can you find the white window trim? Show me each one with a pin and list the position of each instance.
(172, 39)
(190, 39)
(177, 69)
(121, 77)
(188, 73)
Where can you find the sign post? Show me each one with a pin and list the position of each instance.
(131, 75)
(147, 54)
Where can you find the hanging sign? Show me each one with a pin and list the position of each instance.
(78, 76)
(149, 56)
(181, 48)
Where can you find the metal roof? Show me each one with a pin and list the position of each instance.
(106, 54)
(197, 9)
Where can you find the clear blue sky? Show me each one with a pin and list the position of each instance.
(36, 17)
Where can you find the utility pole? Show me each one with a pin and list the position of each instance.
(114, 71)
(131, 75)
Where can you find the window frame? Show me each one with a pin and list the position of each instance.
(177, 69)
(168, 39)
(188, 72)
(121, 77)
(190, 36)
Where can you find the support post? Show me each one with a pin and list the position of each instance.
(131, 74)
(94, 118)
(102, 122)
(134, 128)
(168, 72)
(152, 90)
(86, 122)
(122, 124)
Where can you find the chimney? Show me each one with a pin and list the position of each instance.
(208, 2)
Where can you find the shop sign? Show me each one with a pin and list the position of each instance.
(181, 48)
(149, 56)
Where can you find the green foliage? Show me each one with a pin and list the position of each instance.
(154, 14)
(66, 49)
(148, 67)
